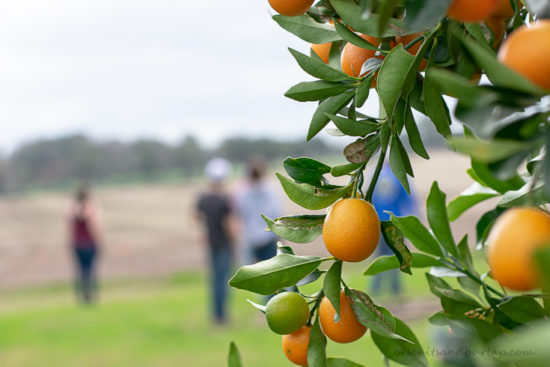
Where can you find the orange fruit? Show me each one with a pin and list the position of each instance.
(413, 50)
(516, 234)
(286, 312)
(504, 9)
(527, 51)
(351, 230)
(348, 329)
(472, 10)
(353, 57)
(295, 346)
(498, 27)
(291, 8)
(322, 50)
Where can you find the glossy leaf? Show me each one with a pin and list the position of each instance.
(408, 353)
(307, 29)
(316, 91)
(318, 68)
(306, 170)
(332, 105)
(297, 229)
(344, 169)
(488, 152)
(353, 127)
(353, 38)
(399, 161)
(419, 235)
(425, 14)
(311, 197)
(384, 263)
(341, 362)
(266, 277)
(415, 140)
(473, 195)
(234, 358)
(316, 351)
(437, 217)
(395, 240)
(522, 309)
(331, 285)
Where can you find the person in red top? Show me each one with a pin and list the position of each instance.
(84, 238)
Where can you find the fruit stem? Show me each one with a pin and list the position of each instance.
(315, 306)
(476, 279)
(376, 174)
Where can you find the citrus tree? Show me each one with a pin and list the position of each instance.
(414, 54)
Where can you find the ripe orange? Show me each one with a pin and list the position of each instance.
(504, 9)
(527, 51)
(405, 40)
(512, 240)
(351, 230)
(295, 346)
(286, 312)
(322, 50)
(472, 10)
(290, 8)
(348, 329)
(353, 57)
(498, 27)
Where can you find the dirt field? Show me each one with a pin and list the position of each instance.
(149, 230)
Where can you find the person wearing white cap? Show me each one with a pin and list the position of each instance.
(214, 209)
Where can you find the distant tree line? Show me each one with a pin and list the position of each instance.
(77, 158)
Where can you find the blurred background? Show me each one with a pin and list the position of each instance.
(133, 98)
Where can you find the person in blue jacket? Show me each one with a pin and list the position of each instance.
(389, 196)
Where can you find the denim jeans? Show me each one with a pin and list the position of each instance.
(220, 258)
(86, 282)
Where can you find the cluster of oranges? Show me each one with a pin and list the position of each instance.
(526, 50)
(351, 232)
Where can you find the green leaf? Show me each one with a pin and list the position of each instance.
(310, 278)
(344, 169)
(488, 152)
(483, 173)
(414, 134)
(384, 263)
(297, 229)
(316, 90)
(353, 38)
(525, 196)
(351, 14)
(341, 362)
(391, 77)
(362, 91)
(361, 150)
(436, 284)
(527, 348)
(437, 217)
(377, 319)
(353, 127)
(522, 309)
(331, 285)
(318, 68)
(395, 240)
(473, 195)
(266, 277)
(497, 73)
(399, 161)
(484, 224)
(402, 352)
(419, 235)
(306, 170)
(307, 29)
(425, 14)
(234, 358)
(435, 106)
(465, 255)
(386, 11)
(316, 351)
(311, 197)
(331, 105)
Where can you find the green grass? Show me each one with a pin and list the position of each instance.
(163, 322)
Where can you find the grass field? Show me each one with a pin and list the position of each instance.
(162, 322)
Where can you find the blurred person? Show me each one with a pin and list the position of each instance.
(214, 210)
(255, 198)
(84, 236)
(390, 196)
